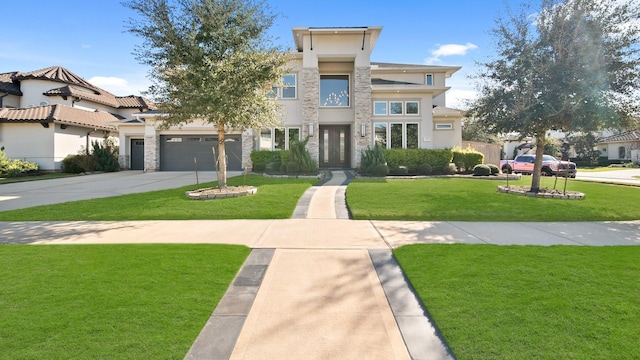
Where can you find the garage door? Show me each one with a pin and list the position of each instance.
(177, 152)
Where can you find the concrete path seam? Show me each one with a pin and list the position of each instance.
(470, 234)
(219, 335)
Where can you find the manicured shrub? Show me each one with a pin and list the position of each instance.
(481, 170)
(495, 170)
(273, 167)
(439, 159)
(466, 159)
(293, 168)
(16, 167)
(74, 164)
(425, 169)
(259, 167)
(399, 170)
(380, 170)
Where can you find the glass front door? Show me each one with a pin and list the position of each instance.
(335, 146)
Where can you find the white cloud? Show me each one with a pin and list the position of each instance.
(450, 50)
(118, 86)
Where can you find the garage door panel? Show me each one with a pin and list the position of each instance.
(177, 152)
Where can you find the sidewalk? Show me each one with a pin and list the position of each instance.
(318, 285)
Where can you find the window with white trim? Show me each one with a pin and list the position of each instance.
(379, 108)
(288, 90)
(444, 126)
(400, 135)
(412, 107)
(278, 138)
(396, 108)
(428, 79)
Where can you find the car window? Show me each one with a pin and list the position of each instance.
(548, 158)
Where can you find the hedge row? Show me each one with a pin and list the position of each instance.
(412, 159)
(13, 168)
(467, 159)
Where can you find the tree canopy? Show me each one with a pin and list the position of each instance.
(210, 60)
(573, 66)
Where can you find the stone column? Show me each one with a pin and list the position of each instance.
(151, 147)
(311, 109)
(362, 107)
(248, 146)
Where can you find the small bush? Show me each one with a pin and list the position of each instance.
(371, 159)
(259, 167)
(466, 159)
(105, 156)
(425, 169)
(273, 167)
(380, 170)
(481, 170)
(299, 155)
(293, 168)
(74, 164)
(495, 170)
(16, 167)
(449, 169)
(399, 170)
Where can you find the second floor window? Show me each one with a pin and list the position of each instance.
(334, 90)
(288, 89)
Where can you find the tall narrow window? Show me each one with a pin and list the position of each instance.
(412, 136)
(334, 90)
(265, 139)
(294, 134)
(279, 139)
(428, 80)
(396, 136)
(381, 134)
(289, 86)
(325, 139)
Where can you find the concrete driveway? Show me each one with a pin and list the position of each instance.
(53, 191)
(626, 176)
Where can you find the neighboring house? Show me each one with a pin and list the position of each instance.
(623, 146)
(48, 114)
(333, 94)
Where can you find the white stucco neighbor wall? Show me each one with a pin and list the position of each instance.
(29, 142)
(72, 140)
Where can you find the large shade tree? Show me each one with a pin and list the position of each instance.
(570, 65)
(211, 61)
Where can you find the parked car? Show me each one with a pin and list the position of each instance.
(550, 166)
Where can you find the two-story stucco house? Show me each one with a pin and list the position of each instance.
(48, 114)
(333, 94)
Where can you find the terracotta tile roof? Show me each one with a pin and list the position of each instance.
(135, 102)
(8, 85)
(627, 136)
(57, 74)
(60, 114)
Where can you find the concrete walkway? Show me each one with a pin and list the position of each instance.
(318, 285)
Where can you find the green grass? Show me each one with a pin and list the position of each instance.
(276, 199)
(464, 199)
(109, 301)
(34, 177)
(510, 302)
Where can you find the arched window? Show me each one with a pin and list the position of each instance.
(622, 152)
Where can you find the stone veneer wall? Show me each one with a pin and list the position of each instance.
(123, 161)
(151, 148)
(362, 105)
(311, 109)
(247, 147)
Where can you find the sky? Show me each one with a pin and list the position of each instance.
(89, 37)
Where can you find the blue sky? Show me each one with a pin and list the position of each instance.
(88, 36)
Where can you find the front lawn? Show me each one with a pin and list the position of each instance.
(527, 302)
(470, 199)
(110, 301)
(276, 199)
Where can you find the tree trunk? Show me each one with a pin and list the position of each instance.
(222, 158)
(537, 166)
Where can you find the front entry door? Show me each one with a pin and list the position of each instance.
(335, 146)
